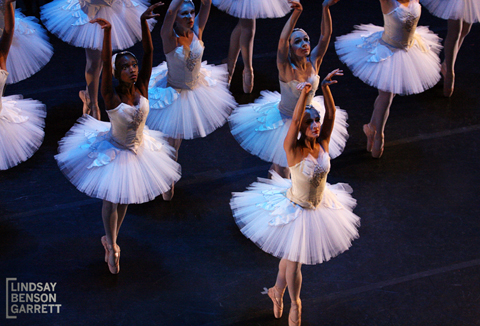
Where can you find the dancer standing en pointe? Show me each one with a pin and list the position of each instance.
(304, 220)
(399, 58)
(188, 99)
(241, 39)
(260, 127)
(461, 14)
(69, 21)
(21, 120)
(121, 161)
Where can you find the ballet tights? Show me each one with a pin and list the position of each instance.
(241, 40)
(381, 110)
(290, 274)
(113, 215)
(93, 69)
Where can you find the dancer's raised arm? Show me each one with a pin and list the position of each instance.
(202, 17)
(283, 64)
(167, 33)
(147, 61)
(316, 57)
(329, 119)
(7, 36)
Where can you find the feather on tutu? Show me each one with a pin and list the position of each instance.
(260, 128)
(98, 167)
(252, 9)
(286, 230)
(30, 50)
(190, 113)
(468, 10)
(69, 20)
(21, 129)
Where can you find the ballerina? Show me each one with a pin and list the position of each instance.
(69, 20)
(241, 39)
(461, 14)
(399, 58)
(260, 127)
(30, 50)
(304, 220)
(188, 98)
(120, 162)
(21, 120)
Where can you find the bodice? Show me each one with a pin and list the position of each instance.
(3, 80)
(128, 122)
(400, 25)
(290, 94)
(184, 65)
(309, 178)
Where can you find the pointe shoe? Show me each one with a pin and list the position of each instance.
(105, 245)
(113, 259)
(86, 101)
(247, 81)
(448, 82)
(370, 134)
(377, 149)
(298, 321)
(277, 301)
(168, 195)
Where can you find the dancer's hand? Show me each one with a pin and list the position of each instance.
(149, 12)
(328, 80)
(295, 5)
(304, 86)
(104, 24)
(329, 3)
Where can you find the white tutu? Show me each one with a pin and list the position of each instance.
(21, 129)
(260, 128)
(252, 9)
(67, 20)
(93, 163)
(391, 69)
(30, 50)
(190, 113)
(468, 10)
(286, 230)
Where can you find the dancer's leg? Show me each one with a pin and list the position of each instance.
(451, 50)
(233, 50)
(381, 110)
(246, 45)
(175, 143)
(284, 172)
(110, 223)
(294, 282)
(121, 211)
(93, 70)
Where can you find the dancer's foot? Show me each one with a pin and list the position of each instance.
(370, 133)
(86, 101)
(113, 259)
(295, 314)
(377, 148)
(247, 81)
(448, 81)
(105, 245)
(168, 195)
(277, 297)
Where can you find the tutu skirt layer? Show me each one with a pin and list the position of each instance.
(468, 10)
(21, 129)
(399, 71)
(285, 230)
(69, 22)
(30, 50)
(190, 113)
(252, 9)
(93, 163)
(260, 128)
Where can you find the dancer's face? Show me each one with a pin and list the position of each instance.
(300, 44)
(311, 123)
(186, 16)
(126, 69)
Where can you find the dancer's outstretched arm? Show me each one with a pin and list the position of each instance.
(169, 40)
(283, 63)
(112, 100)
(202, 17)
(147, 61)
(317, 54)
(290, 142)
(7, 36)
(329, 119)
